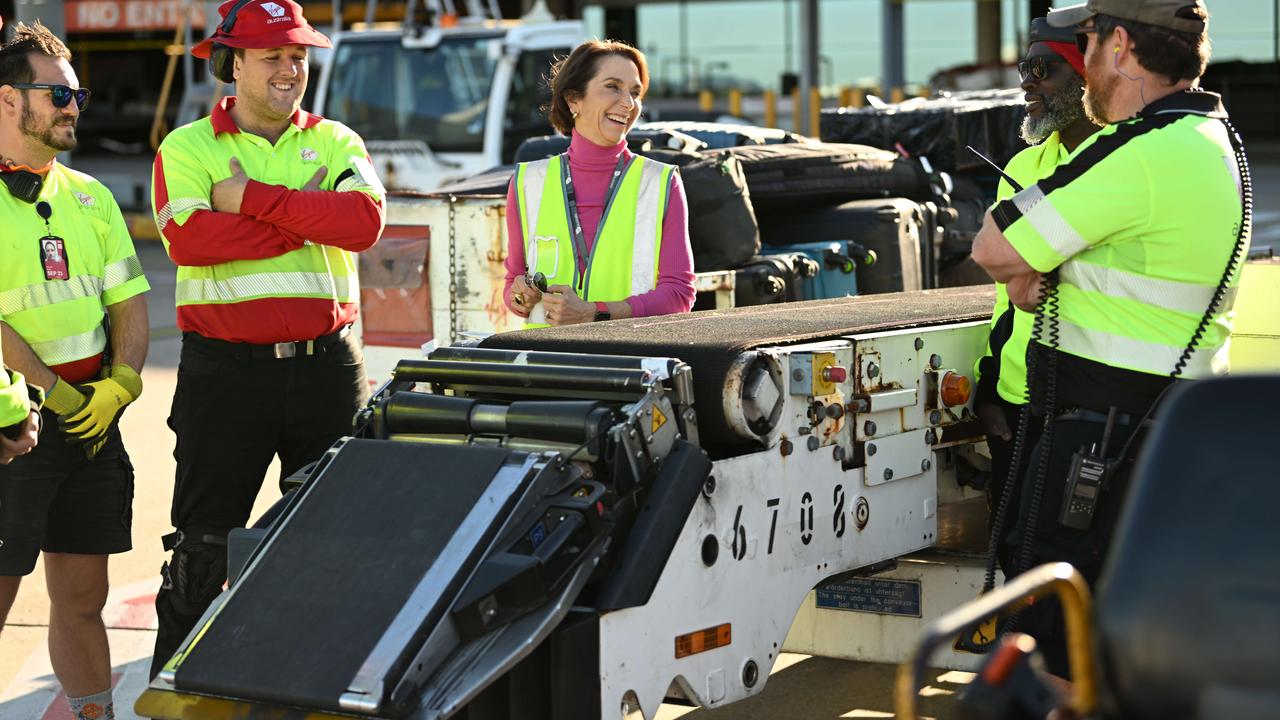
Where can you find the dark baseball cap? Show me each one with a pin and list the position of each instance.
(1161, 13)
(262, 24)
(1042, 31)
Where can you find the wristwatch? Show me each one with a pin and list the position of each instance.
(602, 312)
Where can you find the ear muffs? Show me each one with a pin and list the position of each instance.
(222, 63)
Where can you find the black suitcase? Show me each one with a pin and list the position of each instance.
(892, 228)
(718, 136)
(768, 279)
(722, 223)
(782, 177)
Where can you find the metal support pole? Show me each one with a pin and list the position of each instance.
(893, 63)
(989, 15)
(809, 51)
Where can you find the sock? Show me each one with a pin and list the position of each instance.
(93, 707)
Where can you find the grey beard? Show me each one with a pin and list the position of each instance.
(45, 136)
(1061, 110)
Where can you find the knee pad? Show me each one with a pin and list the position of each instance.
(195, 574)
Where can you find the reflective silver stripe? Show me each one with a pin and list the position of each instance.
(179, 206)
(49, 293)
(1127, 352)
(535, 177)
(644, 243)
(1047, 221)
(121, 271)
(247, 287)
(1165, 294)
(70, 349)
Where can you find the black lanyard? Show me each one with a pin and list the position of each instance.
(575, 223)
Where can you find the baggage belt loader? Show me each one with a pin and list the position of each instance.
(580, 522)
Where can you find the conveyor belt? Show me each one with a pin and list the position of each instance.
(301, 624)
(711, 340)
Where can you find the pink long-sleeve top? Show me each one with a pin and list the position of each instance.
(592, 167)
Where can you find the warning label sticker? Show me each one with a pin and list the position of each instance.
(658, 420)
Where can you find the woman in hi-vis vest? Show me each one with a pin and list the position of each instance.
(608, 229)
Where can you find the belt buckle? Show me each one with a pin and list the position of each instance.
(285, 350)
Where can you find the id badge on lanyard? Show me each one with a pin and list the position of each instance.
(53, 256)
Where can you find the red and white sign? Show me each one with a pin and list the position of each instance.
(88, 16)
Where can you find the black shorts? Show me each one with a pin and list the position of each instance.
(56, 500)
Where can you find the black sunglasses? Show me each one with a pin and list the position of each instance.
(1037, 67)
(60, 95)
(1082, 37)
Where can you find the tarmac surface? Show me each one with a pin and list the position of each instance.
(820, 687)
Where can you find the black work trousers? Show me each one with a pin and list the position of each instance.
(1051, 541)
(235, 408)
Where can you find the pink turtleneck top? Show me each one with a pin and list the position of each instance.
(592, 167)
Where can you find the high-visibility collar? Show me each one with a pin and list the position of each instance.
(224, 123)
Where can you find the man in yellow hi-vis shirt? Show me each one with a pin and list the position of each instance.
(68, 265)
(19, 415)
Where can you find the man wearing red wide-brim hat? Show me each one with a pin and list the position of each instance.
(262, 206)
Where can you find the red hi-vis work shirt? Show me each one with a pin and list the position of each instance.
(283, 268)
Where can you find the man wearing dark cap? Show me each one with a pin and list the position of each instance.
(261, 206)
(1135, 245)
(1052, 76)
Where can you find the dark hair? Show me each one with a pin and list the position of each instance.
(570, 75)
(15, 61)
(1176, 55)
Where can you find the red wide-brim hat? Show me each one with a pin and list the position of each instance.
(263, 24)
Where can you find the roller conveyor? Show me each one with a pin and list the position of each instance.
(560, 508)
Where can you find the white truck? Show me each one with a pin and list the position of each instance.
(436, 104)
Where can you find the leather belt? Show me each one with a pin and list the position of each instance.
(274, 351)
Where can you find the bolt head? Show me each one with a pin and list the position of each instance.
(871, 449)
(930, 437)
(919, 343)
(935, 361)
(888, 474)
(873, 370)
(926, 464)
(935, 417)
(813, 443)
(838, 454)
(797, 375)
(869, 427)
(785, 448)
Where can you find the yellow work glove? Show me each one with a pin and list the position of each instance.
(107, 398)
(63, 398)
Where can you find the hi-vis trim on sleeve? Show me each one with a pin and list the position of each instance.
(43, 294)
(364, 178)
(250, 287)
(121, 271)
(1048, 222)
(532, 181)
(644, 245)
(70, 349)
(1164, 294)
(1134, 354)
(179, 206)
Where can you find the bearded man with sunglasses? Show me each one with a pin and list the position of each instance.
(1132, 251)
(1052, 75)
(67, 263)
(262, 206)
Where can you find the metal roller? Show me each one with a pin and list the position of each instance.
(566, 421)
(543, 377)
(661, 367)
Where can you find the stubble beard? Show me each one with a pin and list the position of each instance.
(30, 126)
(1060, 110)
(1098, 91)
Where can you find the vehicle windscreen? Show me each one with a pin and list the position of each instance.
(440, 95)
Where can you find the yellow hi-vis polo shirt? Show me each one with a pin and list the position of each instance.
(62, 320)
(1141, 222)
